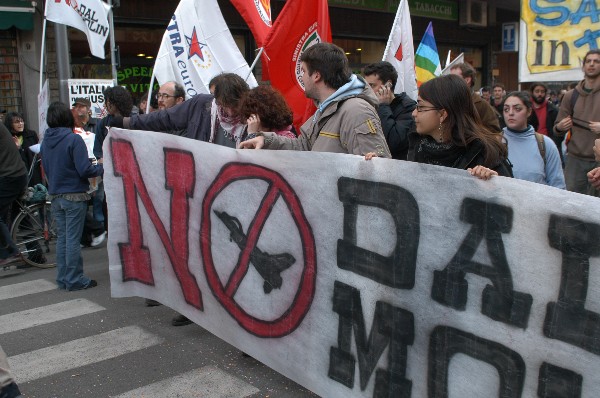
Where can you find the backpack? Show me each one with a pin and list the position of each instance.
(541, 146)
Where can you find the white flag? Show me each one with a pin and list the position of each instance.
(458, 60)
(197, 46)
(88, 16)
(400, 52)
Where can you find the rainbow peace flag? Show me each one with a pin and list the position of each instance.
(427, 59)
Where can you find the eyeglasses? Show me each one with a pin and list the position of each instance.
(163, 95)
(422, 108)
(19, 122)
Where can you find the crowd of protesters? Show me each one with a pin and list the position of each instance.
(487, 133)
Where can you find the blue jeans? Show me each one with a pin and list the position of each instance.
(97, 203)
(69, 217)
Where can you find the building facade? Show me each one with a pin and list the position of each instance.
(360, 27)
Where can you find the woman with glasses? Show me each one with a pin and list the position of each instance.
(534, 156)
(24, 139)
(449, 131)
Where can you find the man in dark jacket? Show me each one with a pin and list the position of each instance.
(395, 110)
(488, 115)
(13, 180)
(544, 113)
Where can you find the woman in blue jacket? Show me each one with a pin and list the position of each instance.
(67, 167)
(532, 160)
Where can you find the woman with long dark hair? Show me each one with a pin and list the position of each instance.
(67, 166)
(450, 132)
(24, 139)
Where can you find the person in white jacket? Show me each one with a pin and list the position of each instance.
(533, 160)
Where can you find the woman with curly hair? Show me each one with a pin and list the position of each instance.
(265, 109)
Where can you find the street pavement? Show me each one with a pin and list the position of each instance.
(87, 344)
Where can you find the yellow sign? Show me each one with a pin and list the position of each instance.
(555, 36)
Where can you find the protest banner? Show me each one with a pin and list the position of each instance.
(91, 89)
(88, 16)
(554, 37)
(362, 278)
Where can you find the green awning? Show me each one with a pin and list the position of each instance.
(17, 13)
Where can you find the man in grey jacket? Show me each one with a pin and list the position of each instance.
(346, 119)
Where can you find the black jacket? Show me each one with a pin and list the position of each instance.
(30, 138)
(189, 119)
(473, 155)
(396, 123)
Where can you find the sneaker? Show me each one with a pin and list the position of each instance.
(152, 303)
(180, 320)
(98, 240)
(92, 283)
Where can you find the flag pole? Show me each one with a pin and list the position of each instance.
(43, 48)
(255, 61)
(113, 51)
(150, 90)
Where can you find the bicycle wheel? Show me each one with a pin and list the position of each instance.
(34, 233)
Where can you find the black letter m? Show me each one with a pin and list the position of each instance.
(391, 326)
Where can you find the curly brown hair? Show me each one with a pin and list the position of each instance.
(269, 105)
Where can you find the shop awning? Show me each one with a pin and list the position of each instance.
(17, 13)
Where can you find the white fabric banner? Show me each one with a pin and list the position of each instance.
(400, 52)
(197, 46)
(43, 103)
(88, 16)
(362, 278)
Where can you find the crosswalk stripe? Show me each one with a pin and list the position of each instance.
(81, 352)
(206, 382)
(47, 314)
(25, 288)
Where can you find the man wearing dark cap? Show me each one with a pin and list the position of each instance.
(93, 230)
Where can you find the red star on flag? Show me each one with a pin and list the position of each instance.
(399, 55)
(194, 44)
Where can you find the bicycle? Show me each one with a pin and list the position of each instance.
(33, 226)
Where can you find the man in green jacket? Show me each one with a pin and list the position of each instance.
(346, 119)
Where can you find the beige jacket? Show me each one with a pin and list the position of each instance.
(347, 125)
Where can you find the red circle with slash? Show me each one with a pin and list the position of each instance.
(278, 187)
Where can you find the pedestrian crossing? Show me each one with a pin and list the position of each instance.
(207, 381)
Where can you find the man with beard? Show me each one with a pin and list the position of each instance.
(544, 113)
(581, 115)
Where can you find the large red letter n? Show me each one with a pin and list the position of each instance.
(180, 178)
